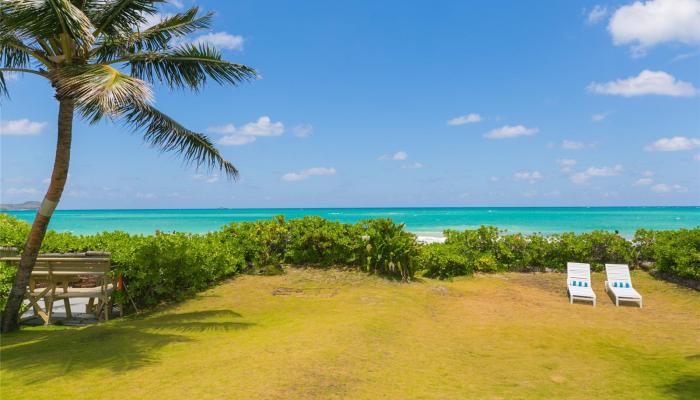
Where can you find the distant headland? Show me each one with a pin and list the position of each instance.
(27, 205)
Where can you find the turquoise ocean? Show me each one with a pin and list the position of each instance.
(429, 222)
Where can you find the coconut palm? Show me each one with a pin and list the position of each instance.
(100, 57)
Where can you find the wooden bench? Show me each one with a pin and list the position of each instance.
(54, 278)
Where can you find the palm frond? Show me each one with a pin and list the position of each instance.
(188, 66)
(47, 19)
(167, 135)
(100, 90)
(153, 39)
(120, 17)
(3, 86)
(13, 53)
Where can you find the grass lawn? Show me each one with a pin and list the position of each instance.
(335, 334)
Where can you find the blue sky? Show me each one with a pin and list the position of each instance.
(365, 103)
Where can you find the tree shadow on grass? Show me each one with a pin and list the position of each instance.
(39, 355)
(685, 387)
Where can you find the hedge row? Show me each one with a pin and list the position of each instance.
(169, 266)
(488, 250)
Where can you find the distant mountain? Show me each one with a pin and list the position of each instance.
(27, 205)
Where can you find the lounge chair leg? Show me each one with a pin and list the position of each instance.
(617, 302)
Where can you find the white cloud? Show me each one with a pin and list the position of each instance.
(676, 143)
(415, 165)
(148, 195)
(666, 188)
(599, 117)
(21, 191)
(303, 130)
(528, 176)
(176, 3)
(263, 127)
(236, 140)
(565, 164)
(646, 83)
(597, 14)
(221, 40)
(509, 131)
(643, 182)
(206, 178)
(583, 177)
(21, 127)
(685, 56)
(398, 156)
(464, 119)
(305, 174)
(552, 193)
(646, 24)
(696, 157)
(572, 145)
(494, 179)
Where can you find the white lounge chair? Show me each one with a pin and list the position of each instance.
(578, 282)
(619, 283)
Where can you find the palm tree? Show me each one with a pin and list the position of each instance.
(101, 60)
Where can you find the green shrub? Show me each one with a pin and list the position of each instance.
(13, 232)
(595, 248)
(678, 252)
(538, 254)
(483, 248)
(7, 275)
(173, 265)
(643, 246)
(438, 260)
(317, 241)
(389, 250)
(261, 243)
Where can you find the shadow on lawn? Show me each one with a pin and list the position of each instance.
(38, 355)
(685, 387)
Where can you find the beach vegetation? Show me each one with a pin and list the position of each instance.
(171, 266)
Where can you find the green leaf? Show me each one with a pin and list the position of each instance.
(166, 134)
(188, 66)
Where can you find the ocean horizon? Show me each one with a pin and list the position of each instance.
(428, 222)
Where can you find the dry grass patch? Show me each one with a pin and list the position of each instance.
(340, 334)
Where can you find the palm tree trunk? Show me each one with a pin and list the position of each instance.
(10, 315)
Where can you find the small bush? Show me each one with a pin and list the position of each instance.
(678, 252)
(7, 275)
(317, 241)
(13, 232)
(389, 250)
(438, 260)
(261, 243)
